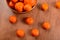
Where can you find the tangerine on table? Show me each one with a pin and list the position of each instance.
(44, 6)
(14, 1)
(31, 2)
(46, 25)
(11, 4)
(35, 32)
(12, 19)
(19, 6)
(20, 33)
(27, 7)
(57, 4)
(29, 20)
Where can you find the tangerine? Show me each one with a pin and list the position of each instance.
(27, 7)
(12, 19)
(31, 2)
(29, 20)
(11, 4)
(20, 33)
(19, 6)
(57, 4)
(44, 6)
(46, 25)
(35, 32)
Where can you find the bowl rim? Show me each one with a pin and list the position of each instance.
(23, 12)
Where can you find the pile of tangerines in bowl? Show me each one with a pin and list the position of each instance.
(22, 5)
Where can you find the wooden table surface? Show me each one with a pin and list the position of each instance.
(8, 30)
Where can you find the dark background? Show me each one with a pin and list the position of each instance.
(8, 30)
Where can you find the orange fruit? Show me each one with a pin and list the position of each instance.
(27, 7)
(12, 19)
(31, 2)
(44, 6)
(19, 6)
(26, 1)
(57, 4)
(29, 20)
(35, 32)
(14, 1)
(20, 33)
(46, 25)
(11, 4)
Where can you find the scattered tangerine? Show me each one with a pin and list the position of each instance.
(35, 32)
(57, 4)
(20, 33)
(29, 20)
(46, 25)
(44, 6)
(12, 19)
